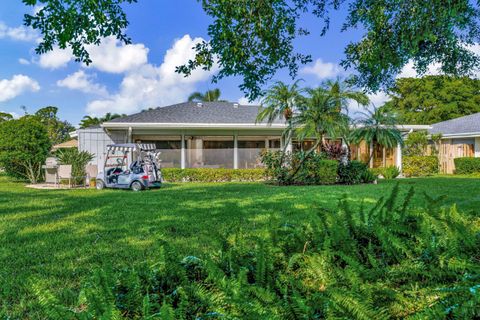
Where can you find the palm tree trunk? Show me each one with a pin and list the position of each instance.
(309, 152)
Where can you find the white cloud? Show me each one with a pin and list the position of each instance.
(55, 58)
(20, 33)
(23, 61)
(323, 70)
(19, 84)
(244, 101)
(149, 85)
(110, 56)
(409, 71)
(82, 82)
(115, 57)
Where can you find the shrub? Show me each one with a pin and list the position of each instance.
(212, 175)
(369, 176)
(78, 160)
(348, 263)
(388, 173)
(24, 146)
(353, 172)
(420, 166)
(467, 165)
(327, 171)
(315, 169)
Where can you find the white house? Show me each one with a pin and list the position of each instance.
(211, 135)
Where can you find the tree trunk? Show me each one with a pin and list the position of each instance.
(309, 152)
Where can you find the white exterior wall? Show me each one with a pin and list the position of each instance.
(95, 141)
(477, 147)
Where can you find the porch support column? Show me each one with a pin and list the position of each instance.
(182, 152)
(235, 150)
(267, 142)
(477, 147)
(129, 135)
(399, 157)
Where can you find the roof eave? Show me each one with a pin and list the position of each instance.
(153, 125)
(460, 135)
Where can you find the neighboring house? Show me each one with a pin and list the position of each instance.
(211, 135)
(460, 138)
(73, 143)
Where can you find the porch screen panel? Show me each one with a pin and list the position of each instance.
(249, 152)
(170, 151)
(210, 152)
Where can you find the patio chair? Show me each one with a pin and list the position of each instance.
(65, 173)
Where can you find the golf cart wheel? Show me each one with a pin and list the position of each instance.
(136, 186)
(100, 185)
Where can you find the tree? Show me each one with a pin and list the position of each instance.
(280, 101)
(320, 115)
(58, 131)
(255, 39)
(5, 116)
(377, 126)
(89, 121)
(24, 146)
(209, 96)
(433, 99)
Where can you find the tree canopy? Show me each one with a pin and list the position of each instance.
(24, 146)
(58, 130)
(254, 39)
(434, 99)
(5, 116)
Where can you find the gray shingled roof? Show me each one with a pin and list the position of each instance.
(467, 124)
(189, 112)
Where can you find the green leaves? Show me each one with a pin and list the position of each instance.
(77, 23)
(389, 262)
(433, 99)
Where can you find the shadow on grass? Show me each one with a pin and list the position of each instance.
(60, 236)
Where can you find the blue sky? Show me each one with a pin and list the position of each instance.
(126, 79)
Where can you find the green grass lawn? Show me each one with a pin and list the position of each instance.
(57, 238)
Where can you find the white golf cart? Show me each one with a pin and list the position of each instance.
(130, 166)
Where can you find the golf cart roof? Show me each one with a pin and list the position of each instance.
(132, 146)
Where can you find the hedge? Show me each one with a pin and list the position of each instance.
(212, 175)
(467, 165)
(352, 173)
(420, 166)
(327, 171)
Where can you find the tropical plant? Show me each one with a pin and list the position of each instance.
(208, 96)
(343, 93)
(78, 160)
(390, 261)
(324, 112)
(89, 121)
(24, 146)
(280, 102)
(377, 126)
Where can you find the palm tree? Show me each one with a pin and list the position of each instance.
(378, 125)
(343, 94)
(209, 96)
(89, 121)
(320, 115)
(280, 101)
